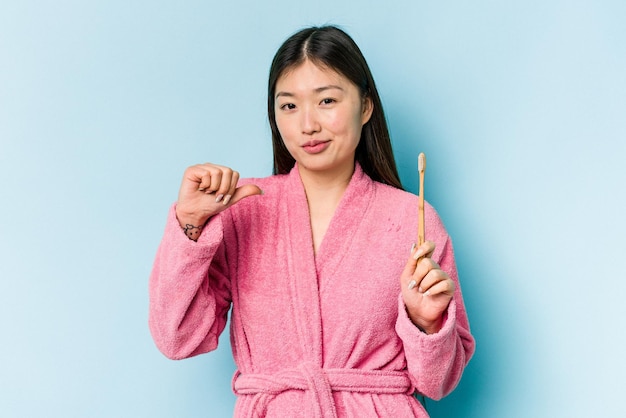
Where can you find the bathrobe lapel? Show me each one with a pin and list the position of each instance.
(303, 285)
(343, 229)
(312, 275)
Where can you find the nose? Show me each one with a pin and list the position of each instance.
(309, 121)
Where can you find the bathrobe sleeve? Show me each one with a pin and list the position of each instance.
(189, 290)
(435, 362)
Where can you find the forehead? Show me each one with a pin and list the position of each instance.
(309, 75)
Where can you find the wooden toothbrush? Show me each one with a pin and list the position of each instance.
(421, 168)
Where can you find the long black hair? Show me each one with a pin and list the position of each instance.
(332, 48)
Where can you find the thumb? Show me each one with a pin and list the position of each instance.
(417, 253)
(243, 192)
(410, 266)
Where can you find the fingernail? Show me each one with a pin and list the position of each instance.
(412, 284)
(219, 198)
(201, 189)
(227, 199)
(418, 253)
(427, 293)
(419, 289)
(412, 248)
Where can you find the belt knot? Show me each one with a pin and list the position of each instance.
(319, 383)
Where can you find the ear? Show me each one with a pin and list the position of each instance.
(368, 108)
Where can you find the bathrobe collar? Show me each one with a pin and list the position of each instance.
(312, 275)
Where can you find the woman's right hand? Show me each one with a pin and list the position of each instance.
(206, 190)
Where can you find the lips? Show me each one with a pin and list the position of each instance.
(315, 147)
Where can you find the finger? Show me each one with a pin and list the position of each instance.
(442, 287)
(427, 273)
(417, 253)
(243, 192)
(193, 176)
(409, 268)
(431, 249)
(424, 250)
(232, 188)
(424, 265)
(205, 182)
(225, 183)
(433, 276)
(202, 175)
(216, 180)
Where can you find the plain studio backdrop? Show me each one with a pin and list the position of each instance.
(520, 107)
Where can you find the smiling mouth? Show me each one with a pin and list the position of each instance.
(315, 147)
(314, 143)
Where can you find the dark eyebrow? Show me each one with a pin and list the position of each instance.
(283, 94)
(317, 90)
(329, 87)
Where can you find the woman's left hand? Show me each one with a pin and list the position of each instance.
(426, 289)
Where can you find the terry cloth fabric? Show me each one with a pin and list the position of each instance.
(320, 384)
(323, 335)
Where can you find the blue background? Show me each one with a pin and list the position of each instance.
(519, 105)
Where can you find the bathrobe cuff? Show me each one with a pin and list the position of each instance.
(432, 360)
(210, 237)
(189, 298)
(415, 339)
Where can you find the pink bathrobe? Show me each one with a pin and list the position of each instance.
(323, 335)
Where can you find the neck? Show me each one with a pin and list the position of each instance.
(324, 191)
(324, 185)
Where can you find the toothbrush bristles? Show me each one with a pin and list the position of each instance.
(421, 167)
(421, 162)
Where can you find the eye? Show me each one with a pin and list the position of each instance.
(288, 106)
(328, 101)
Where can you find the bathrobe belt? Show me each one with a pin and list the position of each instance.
(319, 383)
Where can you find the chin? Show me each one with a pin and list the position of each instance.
(326, 166)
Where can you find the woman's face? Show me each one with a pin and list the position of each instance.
(320, 114)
